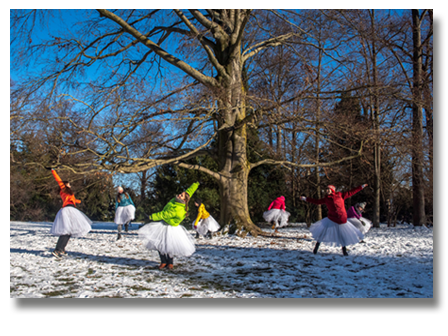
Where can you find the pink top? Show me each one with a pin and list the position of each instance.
(278, 203)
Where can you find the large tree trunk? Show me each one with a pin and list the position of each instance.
(418, 182)
(234, 167)
(234, 209)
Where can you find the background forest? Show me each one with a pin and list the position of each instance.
(155, 100)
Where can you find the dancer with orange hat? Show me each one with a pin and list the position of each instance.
(334, 229)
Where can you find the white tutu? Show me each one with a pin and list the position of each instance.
(167, 239)
(327, 231)
(362, 224)
(205, 225)
(70, 220)
(124, 214)
(280, 217)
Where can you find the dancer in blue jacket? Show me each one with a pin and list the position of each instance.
(124, 210)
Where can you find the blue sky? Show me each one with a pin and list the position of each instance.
(65, 25)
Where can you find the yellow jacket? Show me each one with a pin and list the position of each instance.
(202, 214)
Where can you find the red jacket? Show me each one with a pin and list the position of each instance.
(66, 198)
(335, 204)
(278, 203)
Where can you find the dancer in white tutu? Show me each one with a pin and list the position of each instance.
(69, 221)
(277, 214)
(204, 221)
(354, 216)
(335, 229)
(165, 234)
(124, 210)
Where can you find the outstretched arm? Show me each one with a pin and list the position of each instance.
(350, 193)
(313, 200)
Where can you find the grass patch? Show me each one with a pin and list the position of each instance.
(139, 288)
(56, 293)
(66, 279)
(133, 268)
(25, 285)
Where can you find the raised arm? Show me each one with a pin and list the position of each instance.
(58, 179)
(191, 189)
(350, 193)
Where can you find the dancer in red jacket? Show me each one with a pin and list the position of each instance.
(277, 213)
(334, 229)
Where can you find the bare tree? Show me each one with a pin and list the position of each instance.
(191, 96)
(418, 182)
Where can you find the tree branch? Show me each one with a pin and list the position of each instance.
(206, 80)
(320, 164)
(272, 42)
(207, 45)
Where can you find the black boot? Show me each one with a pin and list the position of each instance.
(126, 226)
(344, 251)
(316, 247)
(119, 236)
(197, 235)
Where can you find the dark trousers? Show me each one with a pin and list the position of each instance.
(120, 226)
(62, 243)
(165, 259)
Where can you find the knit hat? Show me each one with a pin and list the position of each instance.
(119, 188)
(332, 187)
(362, 205)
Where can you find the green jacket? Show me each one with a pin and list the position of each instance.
(174, 212)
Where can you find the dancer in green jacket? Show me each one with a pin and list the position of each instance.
(165, 234)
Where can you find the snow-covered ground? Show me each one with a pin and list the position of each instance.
(393, 262)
